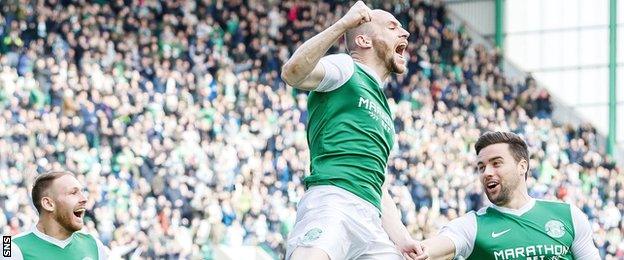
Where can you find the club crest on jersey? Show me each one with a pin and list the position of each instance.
(312, 234)
(554, 228)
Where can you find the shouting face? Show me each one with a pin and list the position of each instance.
(389, 41)
(67, 203)
(501, 174)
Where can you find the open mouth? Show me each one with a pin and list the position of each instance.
(400, 49)
(491, 185)
(79, 213)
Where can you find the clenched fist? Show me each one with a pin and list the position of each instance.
(358, 14)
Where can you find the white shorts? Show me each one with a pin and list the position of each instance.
(341, 224)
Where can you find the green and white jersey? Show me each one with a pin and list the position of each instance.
(34, 245)
(350, 129)
(539, 230)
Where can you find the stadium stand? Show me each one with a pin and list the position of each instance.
(174, 116)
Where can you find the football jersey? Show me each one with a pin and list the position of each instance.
(34, 244)
(539, 230)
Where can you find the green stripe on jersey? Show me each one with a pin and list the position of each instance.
(544, 232)
(350, 135)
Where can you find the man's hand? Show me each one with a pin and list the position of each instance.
(413, 250)
(358, 14)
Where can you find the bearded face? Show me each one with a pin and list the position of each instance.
(387, 38)
(390, 43)
(501, 174)
(69, 217)
(392, 57)
(69, 203)
(502, 193)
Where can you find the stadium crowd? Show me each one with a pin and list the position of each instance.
(173, 115)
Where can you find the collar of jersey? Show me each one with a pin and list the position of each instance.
(54, 241)
(371, 72)
(517, 212)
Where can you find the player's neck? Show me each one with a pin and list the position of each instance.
(373, 63)
(50, 227)
(519, 199)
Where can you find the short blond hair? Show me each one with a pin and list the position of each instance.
(42, 184)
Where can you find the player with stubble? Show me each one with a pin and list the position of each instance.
(59, 199)
(346, 211)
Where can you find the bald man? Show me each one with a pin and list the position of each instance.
(346, 211)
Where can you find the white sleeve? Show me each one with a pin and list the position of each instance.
(16, 253)
(583, 246)
(103, 251)
(338, 69)
(463, 232)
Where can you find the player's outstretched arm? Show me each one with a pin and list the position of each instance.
(391, 222)
(303, 70)
(439, 247)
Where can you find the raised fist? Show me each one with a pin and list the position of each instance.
(358, 14)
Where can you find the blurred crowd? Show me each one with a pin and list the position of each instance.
(173, 115)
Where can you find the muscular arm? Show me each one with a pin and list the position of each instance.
(303, 70)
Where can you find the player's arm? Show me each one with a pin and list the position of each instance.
(439, 247)
(583, 246)
(303, 70)
(392, 224)
(455, 239)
